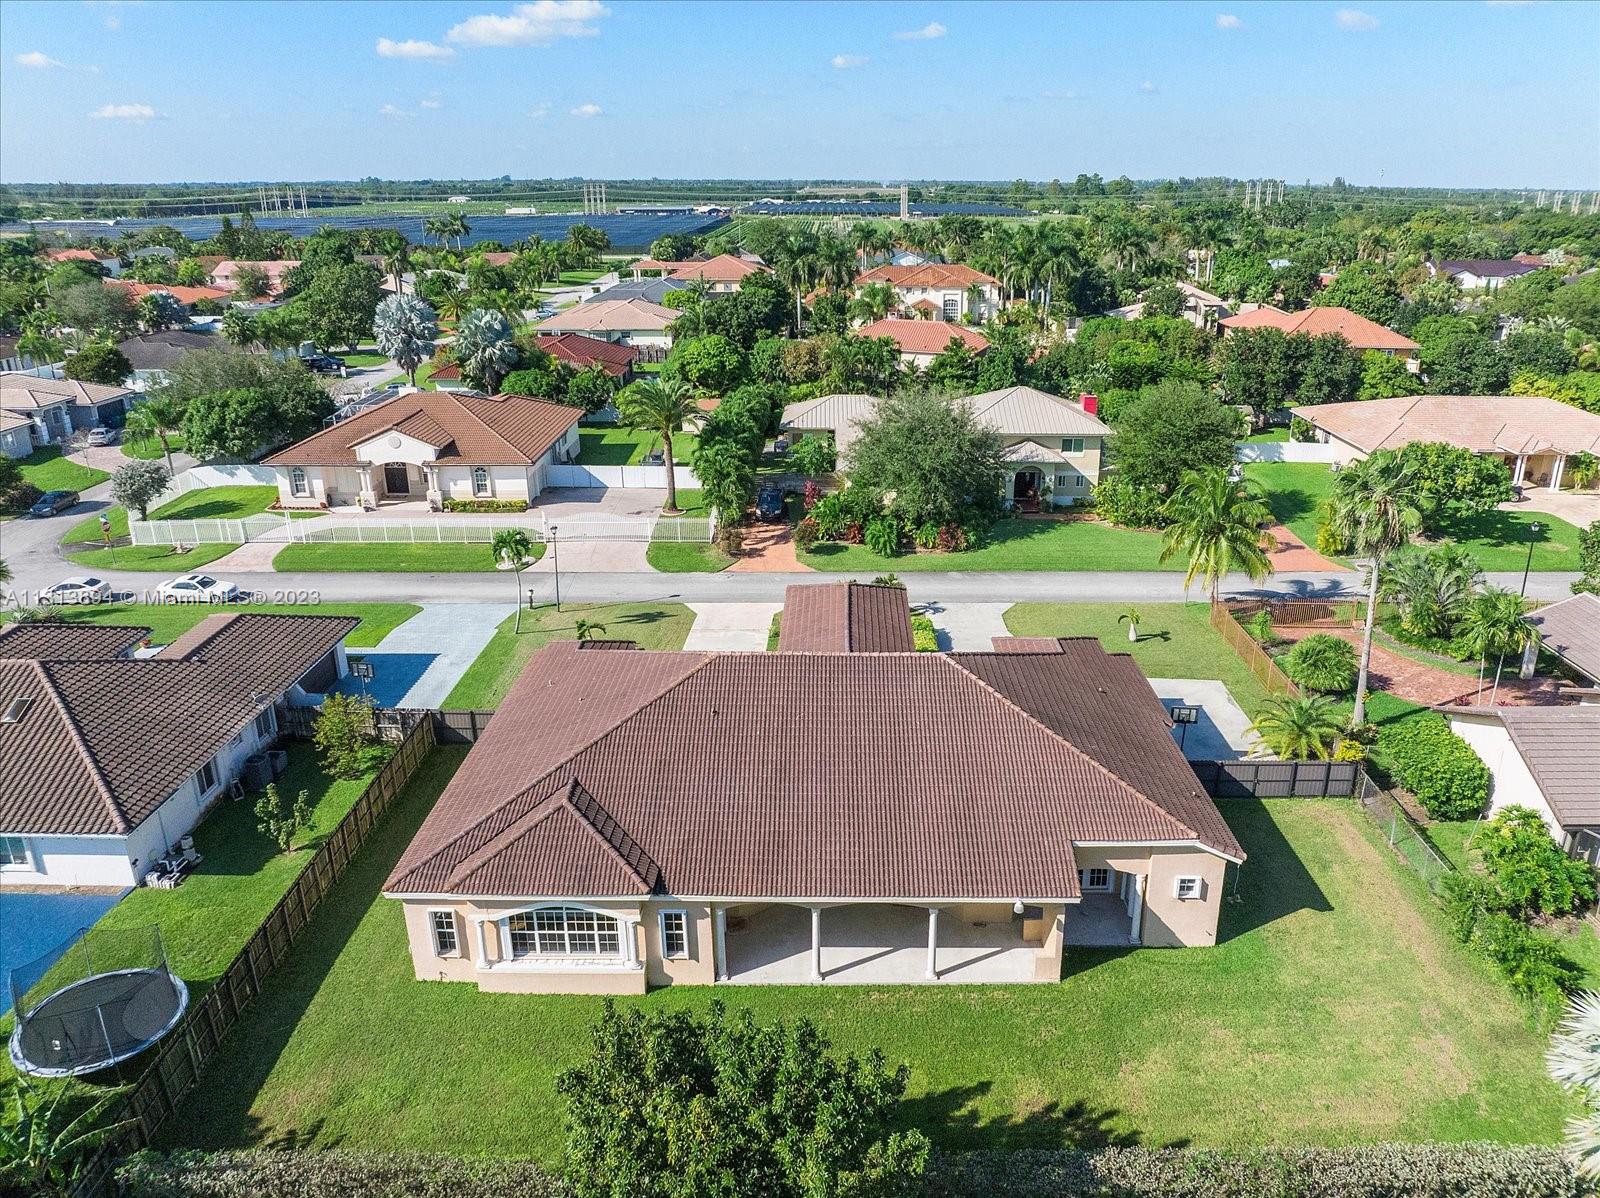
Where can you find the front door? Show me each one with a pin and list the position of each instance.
(1026, 485)
(395, 479)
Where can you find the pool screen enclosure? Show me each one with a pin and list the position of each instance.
(108, 997)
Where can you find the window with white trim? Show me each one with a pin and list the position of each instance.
(952, 307)
(298, 487)
(563, 932)
(480, 480)
(674, 934)
(1061, 482)
(266, 724)
(1186, 886)
(445, 941)
(1071, 444)
(1096, 877)
(14, 853)
(1077, 482)
(205, 778)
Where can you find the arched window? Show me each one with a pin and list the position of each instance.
(563, 932)
(480, 480)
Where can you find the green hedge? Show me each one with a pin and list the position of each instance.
(924, 635)
(1437, 766)
(1364, 1171)
(1361, 1171)
(485, 505)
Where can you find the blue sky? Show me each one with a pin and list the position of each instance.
(1451, 94)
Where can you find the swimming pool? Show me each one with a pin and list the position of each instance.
(33, 924)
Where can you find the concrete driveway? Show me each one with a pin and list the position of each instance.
(731, 626)
(967, 627)
(594, 557)
(1580, 508)
(600, 503)
(1223, 733)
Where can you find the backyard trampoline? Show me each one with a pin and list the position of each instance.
(104, 999)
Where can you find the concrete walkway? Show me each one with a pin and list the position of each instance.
(1223, 733)
(1575, 507)
(731, 626)
(769, 549)
(595, 557)
(420, 662)
(967, 627)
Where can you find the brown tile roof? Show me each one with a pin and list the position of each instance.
(69, 255)
(929, 776)
(1360, 332)
(1559, 746)
(583, 352)
(923, 336)
(1481, 423)
(490, 431)
(619, 316)
(106, 742)
(184, 295)
(724, 268)
(1571, 630)
(845, 617)
(64, 641)
(930, 276)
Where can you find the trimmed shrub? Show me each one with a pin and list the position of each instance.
(806, 534)
(923, 634)
(330, 1175)
(1322, 662)
(1437, 766)
(1130, 506)
(1330, 541)
(882, 535)
(485, 505)
(1259, 626)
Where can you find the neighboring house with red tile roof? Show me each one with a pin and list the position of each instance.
(845, 617)
(724, 273)
(958, 818)
(921, 341)
(431, 446)
(57, 407)
(110, 263)
(107, 758)
(1361, 333)
(629, 321)
(951, 289)
(187, 296)
(225, 274)
(1533, 435)
(582, 353)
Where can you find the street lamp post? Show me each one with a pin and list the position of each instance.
(1534, 530)
(555, 558)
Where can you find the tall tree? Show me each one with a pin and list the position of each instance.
(484, 348)
(662, 406)
(1218, 525)
(158, 417)
(406, 328)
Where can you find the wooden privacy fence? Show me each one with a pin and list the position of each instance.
(396, 723)
(1278, 779)
(1298, 613)
(183, 1053)
(1253, 655)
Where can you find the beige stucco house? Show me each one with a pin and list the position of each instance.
(628, 321)
(963, 817)
(942, 290)
(1052, 448)
(430, 447)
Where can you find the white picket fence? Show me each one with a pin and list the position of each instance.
(647, 477)
(354, 530)
(1285, 451)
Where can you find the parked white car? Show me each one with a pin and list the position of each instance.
(77, 590)
(197, 588)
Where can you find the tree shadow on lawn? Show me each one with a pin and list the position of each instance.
(950, 1118)
(1272, 883)
(1290, 503)
(1498, 529)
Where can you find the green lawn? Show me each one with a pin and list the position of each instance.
(774, 631)
(1499, 540)
(1176, 640)
(614, 445)
(364, 358)
(211, 503)
(573, 278)
(220, 503)
(156, 558)
(399, 557)
(1020, 544)
(688, 557)
(168, 622)
(1335, 1008)
(48, 470)
(652, 625)
(149, 449)
(207, 920)
(87, 531)
(1267, 436)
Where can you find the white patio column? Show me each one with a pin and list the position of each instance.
(933, 943)
(719, 924)
(1140, 882)
(1557, 471)
(482, 942)
(1530, 655)
(630, 943)
(816, 944)
(1519, 471)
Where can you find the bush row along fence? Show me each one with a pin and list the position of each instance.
(456, 529)
(1253, 655)
(455, 727)
(1278, 779)
(182, 1055)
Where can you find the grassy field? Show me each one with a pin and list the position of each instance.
(1499, 540)
(220, 503)
(614, 445)
(211, 503)
(1176, 640)
(1016, 545)
(403, 557)
(1334, 1008)
(364, 358)
(689, 557)
(1267, 436)
(155, 558)
(652, 625)
(168, 622)
(148, 449)
(87, 531)
(48, 470)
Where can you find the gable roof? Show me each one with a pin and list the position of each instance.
(1022, 410)
(943, 776)
(1558, 746)
(583, 352)
(187, 296)
(68, 641)
(1360, 332)
(157, 351)
(845, 617)
(1571, 630)
(927, 276)
(724, 268)
(840, 414)
(1482, 423)
(619, 316)
(498, 430)
(924, 336)
(26, 392)
(650, 290)
(108, 739)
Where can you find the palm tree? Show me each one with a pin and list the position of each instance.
(240, 327)
(1132, 616)
(1431, 588)
(586, 629)
(1574, 1061)
(512, 546)
(1493, 625)
(661, 406)
(438, 228)
(1299, 728)
(1218, 523)
(45, 1141)
(157, 416)
(1374, 509)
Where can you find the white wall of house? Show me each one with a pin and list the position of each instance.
(953, 303)
(1513, 783)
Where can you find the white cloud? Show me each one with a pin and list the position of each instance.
(391, 111)
(926, 34)
(414, 49)
(431, 102)
(1148, 88)
(540, 110)
(1355, 20)
(844, 62)
(536, 24)
(587, 110)
(39, 61)
(1226, 20)
(124, 112)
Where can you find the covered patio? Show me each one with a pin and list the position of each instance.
(876, 944)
